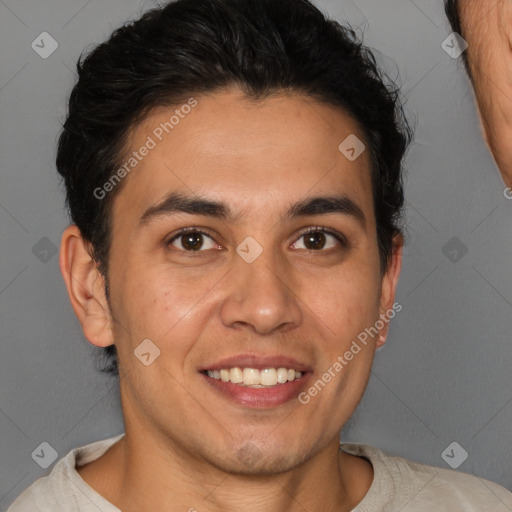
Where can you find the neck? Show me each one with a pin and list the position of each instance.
(142, 473)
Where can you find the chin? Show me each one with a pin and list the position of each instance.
(251, 460)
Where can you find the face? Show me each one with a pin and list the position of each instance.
(269, 277)
(489, 58)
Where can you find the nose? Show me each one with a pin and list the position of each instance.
(262, 296)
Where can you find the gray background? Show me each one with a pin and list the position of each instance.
(444, 374)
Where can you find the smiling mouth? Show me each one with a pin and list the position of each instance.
(255, 378)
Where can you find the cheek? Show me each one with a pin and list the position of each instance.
(346, 301)
(153, 301)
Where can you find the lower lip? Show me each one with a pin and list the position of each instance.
(259, 398)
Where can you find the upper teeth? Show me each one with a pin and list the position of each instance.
(255, 378)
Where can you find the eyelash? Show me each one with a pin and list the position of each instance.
(314, 229)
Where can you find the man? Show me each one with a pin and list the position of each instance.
(486, 27)
(233, 172)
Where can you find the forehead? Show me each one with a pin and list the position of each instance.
(255, 155)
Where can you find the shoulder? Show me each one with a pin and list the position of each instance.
(418, 487)
(63, 489)
(39, 497)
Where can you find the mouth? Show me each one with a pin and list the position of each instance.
(254, 377)
(257, 382)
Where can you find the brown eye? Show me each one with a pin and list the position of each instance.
(317, 239)
(193, 240)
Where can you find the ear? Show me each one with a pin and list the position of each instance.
(86, 287)
(388, 288)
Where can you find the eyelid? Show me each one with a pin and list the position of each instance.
(342, 239)
(190, 229)
(311, 229)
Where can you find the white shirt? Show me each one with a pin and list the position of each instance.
(398, 485)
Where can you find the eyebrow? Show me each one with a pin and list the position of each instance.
(195, 205)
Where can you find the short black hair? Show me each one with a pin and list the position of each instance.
(191, 47)
(451, 8)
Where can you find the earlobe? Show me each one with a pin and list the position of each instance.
(86, 288)
(388, 289)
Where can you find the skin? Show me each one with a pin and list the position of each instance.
(185, 443)
(486, 28)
